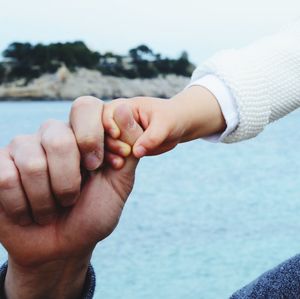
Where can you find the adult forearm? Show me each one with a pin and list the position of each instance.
(57, 279)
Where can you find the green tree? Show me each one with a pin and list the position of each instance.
(31, 61)
(182, 66)
(141, 52)
(146, 69)
(73, 55)
(2, 73)
(18, 52)
(28, 61)
(164, 66)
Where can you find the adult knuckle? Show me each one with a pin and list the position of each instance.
(70, 189)
(84, 101)
(57, 144)
(34, 166)
(66, 192)
(48, 123)
(67, 143)
(17, 210)
(44, 210)
(88, 141)
(8, 180)
(3, 152)
(4, 155)
(20, 139)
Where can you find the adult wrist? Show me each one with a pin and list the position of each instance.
(65, 278)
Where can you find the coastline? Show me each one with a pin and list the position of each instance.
(32, 99)
(66, 86)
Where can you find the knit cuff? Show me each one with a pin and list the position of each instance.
(246, 83)
(88, 288)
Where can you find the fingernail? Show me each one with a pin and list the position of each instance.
(116, 163)
(25, 220)
(92, 160)
(125, 150)
(68, 201)
(139, 151)
(114, 131)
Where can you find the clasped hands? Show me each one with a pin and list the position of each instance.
(62, 190)
(53, 208)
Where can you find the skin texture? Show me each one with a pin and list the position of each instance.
(192, 114)
(41, 175)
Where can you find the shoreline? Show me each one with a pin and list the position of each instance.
(40, 99)
(32, 99)
(67, 86)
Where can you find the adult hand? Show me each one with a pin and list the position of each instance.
(49, 225)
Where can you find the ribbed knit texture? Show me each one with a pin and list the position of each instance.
(264, 79)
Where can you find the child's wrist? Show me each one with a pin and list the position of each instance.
(199, 112)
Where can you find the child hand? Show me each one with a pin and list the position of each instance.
(191, 114)
(158, 118)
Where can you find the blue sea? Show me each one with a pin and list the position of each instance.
(203, 220)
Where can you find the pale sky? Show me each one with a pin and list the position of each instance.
(168, 27)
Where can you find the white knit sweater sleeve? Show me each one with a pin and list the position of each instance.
(264, 79)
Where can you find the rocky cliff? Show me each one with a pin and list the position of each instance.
(67, 86)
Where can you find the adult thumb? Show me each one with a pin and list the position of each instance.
(130, 131)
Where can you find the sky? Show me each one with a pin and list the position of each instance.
(168, 27)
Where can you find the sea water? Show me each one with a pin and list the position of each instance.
(202, 221)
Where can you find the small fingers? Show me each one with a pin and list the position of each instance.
(130, 132)
(123, 179)
(117, 147)
(109, 123)
(130, 129)
(12, 197)
(115, 161)
(85, 120)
